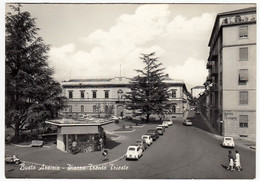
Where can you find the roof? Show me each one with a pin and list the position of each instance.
(82, 122)
(239, 11)
(198, 87)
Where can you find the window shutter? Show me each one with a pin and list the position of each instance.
(243, 32)
(243, 75)
(243, 97)
(243, 118)
(243, 54)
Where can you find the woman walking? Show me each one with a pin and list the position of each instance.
(237, 161)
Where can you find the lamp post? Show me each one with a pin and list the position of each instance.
(220, 116)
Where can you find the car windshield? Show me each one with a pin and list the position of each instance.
(145, 137)
(131, 149)
(228, 138)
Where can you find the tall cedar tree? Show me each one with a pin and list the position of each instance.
(149, 93)
(32, 95)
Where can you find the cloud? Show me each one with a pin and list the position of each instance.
(150, 28)
(192, 72)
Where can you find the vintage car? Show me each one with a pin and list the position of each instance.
(148, 139)
(134, 152)
(228, 142)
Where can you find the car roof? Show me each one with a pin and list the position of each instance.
(146, 135)
(134, 146)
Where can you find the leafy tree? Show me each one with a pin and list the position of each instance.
(32, 95)
(149, 93)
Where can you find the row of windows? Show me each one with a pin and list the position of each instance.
(94, 94)
(96, 108)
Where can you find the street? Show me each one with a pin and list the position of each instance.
(183, 152)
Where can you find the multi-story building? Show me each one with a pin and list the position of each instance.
(197, 91)
(232, 73)
(106, 96)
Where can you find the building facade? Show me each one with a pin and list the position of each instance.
(106, 97)
(231, 81)
(197, 91)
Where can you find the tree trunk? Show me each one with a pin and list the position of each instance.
(147, 117)
(16, 131)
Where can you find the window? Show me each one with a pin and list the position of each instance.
(174, 93)
(243, 77)
(243, 121)
(94, 94)
(243, 54)
(173, 109)
(70, 94)
(106, 94)
(120, 93)
(243, 32)
(82, 108)
(243, 97)
(82, 94)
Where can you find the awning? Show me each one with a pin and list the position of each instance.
(110, 127)
(243, 75)
(79, 129)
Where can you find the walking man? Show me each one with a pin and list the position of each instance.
(237, 161)
(231, 161)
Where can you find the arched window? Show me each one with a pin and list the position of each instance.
(82, 108)
(120, 93)
(70, 95)
(173, 109)
(82, 94)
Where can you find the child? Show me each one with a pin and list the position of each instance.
(231, 161)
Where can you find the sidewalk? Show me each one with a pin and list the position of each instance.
(242, 142)
(51, 156)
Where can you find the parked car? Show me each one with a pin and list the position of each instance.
(228, 142)
(148, 139)
(160, 130)
(142, 144)
(165, 123)
(170, 122)
(134, 152)
(154, 133)
(163, 127)
(187, 122)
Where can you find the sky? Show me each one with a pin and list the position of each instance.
(95, 40)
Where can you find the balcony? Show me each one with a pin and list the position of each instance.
(209, 78)
(213, 58)
(209, 65)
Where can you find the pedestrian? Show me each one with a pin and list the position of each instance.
(231, 161)
(237, 161)
(101, 143)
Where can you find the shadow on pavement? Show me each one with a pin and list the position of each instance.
(110, 144)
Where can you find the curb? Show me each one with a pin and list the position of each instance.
(122, 131)
(29, 146)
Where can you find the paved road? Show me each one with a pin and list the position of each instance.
(182, 152)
